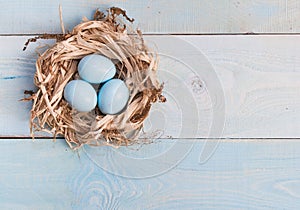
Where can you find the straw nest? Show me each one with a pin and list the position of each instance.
(135, 64)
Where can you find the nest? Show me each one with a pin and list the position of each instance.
(135, 65)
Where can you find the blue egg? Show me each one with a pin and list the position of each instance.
(80, 95)
(113, 97)
(96, 69)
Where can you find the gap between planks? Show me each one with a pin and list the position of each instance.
(220, 140)
(184, 34)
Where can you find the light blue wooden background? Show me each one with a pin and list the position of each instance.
(257, 162)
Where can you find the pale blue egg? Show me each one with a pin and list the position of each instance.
(80, 95)
(113, 97)
(96, 68)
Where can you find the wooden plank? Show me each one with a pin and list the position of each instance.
(260, 81)
(193, 16)
(257, 76)
(240, 175)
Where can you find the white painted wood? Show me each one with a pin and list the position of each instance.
(259, 76)
(242, 174)
(193, 16)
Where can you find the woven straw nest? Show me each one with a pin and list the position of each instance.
(135, 64)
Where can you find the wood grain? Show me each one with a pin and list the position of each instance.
(162, 17)
(241, 174)
(257, 75)
(227, 88)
